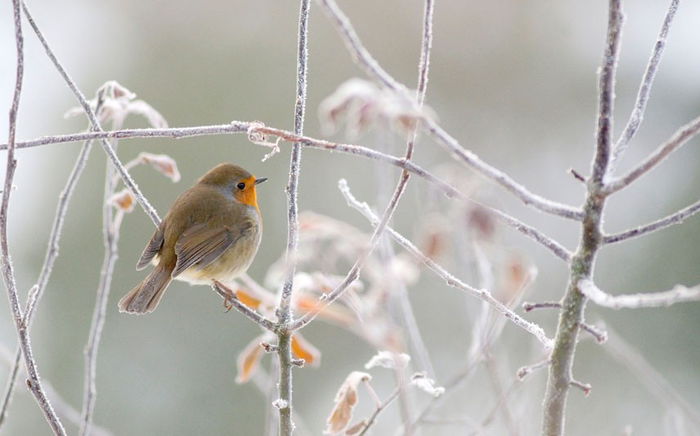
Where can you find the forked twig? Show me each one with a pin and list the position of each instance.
(644, 88)
(374, 70)
(451, 280)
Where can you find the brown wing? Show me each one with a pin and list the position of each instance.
(153, 248)
(201, 246)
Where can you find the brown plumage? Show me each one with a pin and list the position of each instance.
(212, 231)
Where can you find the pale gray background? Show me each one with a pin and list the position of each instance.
(514, 81)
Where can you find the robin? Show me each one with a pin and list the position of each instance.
(212, 231)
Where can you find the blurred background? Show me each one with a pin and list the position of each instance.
(513, 81)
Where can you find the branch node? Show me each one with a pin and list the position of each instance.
(527, 370)
(268, 347)
(600, 336)
(584, 387)
(577, 175)
(528, 306)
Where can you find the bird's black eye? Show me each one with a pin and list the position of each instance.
(240, 186)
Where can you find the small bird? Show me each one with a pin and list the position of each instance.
(212, 231)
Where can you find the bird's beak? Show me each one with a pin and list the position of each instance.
(260, 180)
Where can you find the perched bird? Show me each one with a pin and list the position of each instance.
(212, 231)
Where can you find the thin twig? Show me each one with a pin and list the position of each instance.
(584, 387)
(644, 88)
(52, 250)
(571, 316)
(230, 298)
(679, 138)
(33, 381)
(679, 294)
(451, 280)
(374, 70)
(412, 329)
(128, 181)
(600, 336)
(380, 408)
(356, 150)
(527, 306)
(284, 312)
(169, 132)
(606, 90)
(674, 218)
(110, 231)
(527, 370)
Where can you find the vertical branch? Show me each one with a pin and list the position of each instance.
(110, 231)
(645, 87)
(571, 315)
(50, 257)
(284, 313)
(33, 382)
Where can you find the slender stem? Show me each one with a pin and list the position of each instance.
(679, 138)
(284, 312)
(679, 294)
(674, 218)
(451, 280)
(51, 250)
(230, 298)
(571, 316)
(10, 387)
(110, 232)
(128, 181)
(380, 408)
(374, 70)
(644, 88)
(33, 381)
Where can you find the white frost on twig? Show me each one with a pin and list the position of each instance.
(679, 294)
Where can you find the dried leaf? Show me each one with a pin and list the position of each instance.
(356, 428)
(162, 163)
(302, 349)
(249, 359)
(123, 200)
(247, 299)
(427, 384)
(387, 359)
(345, 401)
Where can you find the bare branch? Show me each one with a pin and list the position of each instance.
(527, 306)
(128, 181)
(171, 132)
(51, 251)
(230, 298)
(679, 294)
(110, 233)
(571, 317)
(451, 280)
(606, 96)
(600, 336)
(284, 312)
(584, 387)
(8, 276)
(356, 150)
(374, 70)
(644, 88)
(675, 218)
(527, 370)
(111, 237)
(679, 138)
